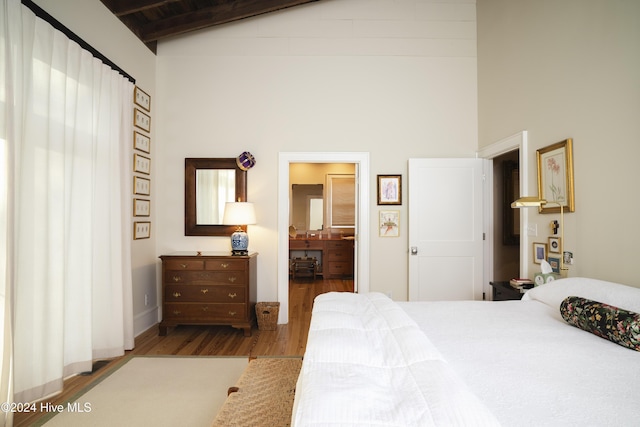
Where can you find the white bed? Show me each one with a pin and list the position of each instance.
(370, 361)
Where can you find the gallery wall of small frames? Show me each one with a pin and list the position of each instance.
(141, 164)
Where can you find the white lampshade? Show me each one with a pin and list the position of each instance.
(239, 213)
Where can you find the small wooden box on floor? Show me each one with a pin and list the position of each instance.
(208, 289)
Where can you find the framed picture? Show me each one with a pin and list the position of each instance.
(555, 176)
(555, 264)
(141, 186)
(141, 98)
(539, 252)
(567, 257)
(141, 120)
(389, 189)
(141, 142)
(141, 164)
(141, 207)
(389, 224)
(141, 230)
(554, 245)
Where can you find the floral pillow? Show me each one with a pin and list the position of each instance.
(606, 321)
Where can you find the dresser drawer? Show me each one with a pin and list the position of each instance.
(184, 264)
(339, 268)
(214, 277)
(340, 254)
(203, 312)
(339, 244)
(306, 244)
(226, 265)
(204, 293)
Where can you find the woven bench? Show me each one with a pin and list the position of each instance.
(263, 395)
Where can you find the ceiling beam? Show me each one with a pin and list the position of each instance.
(211, 16)
(127, 7)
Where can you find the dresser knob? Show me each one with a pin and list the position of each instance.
(232, 295)
(224, 265)
(177, 278)
(204, 291)
(177, 294)
(176, 312)
(232, 279)
(232, 313)
(205, 308)
(184, 265)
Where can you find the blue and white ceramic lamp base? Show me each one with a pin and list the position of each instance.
(239, 243)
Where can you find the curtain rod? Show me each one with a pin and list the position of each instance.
(42, 14)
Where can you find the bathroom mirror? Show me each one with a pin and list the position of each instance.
(307, 207)
(209, 184)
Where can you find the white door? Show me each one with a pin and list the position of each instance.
(445, 229)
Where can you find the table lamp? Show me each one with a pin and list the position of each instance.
(240, 214)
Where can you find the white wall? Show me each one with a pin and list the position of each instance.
(396, 79)
(569, 69)
(93, 22)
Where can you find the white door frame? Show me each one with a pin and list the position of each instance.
(519, 142)
(361, 260)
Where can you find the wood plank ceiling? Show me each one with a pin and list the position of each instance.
(152, 20)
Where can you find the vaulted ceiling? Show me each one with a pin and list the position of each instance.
(152, 20)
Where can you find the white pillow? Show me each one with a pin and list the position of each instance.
(615, 294)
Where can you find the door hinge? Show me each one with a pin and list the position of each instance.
(484, 236)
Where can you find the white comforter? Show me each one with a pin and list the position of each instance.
(368, 364)
(529, 366)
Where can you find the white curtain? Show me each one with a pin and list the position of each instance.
(67, 127)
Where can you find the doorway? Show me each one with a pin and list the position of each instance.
(361, 235)
(518, 142)
(506, 220)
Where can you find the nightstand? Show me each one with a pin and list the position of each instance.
(503, 291)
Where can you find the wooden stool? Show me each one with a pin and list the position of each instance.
(304, 267)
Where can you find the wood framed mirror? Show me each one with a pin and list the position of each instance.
(209, 184)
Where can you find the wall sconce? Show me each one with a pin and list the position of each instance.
(240, 214)
(526, 202)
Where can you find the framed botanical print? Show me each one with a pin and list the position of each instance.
(141, 142)
(141, 98)
(389, 224)
(555, 176)
(141, 186)
(141, 207)
(389, 189)
(141, 120)
(141, 230)
(141, 164)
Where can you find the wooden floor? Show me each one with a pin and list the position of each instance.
(286, 340)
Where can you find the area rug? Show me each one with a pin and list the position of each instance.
(155, 391)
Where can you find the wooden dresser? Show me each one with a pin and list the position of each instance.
(214, 288)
